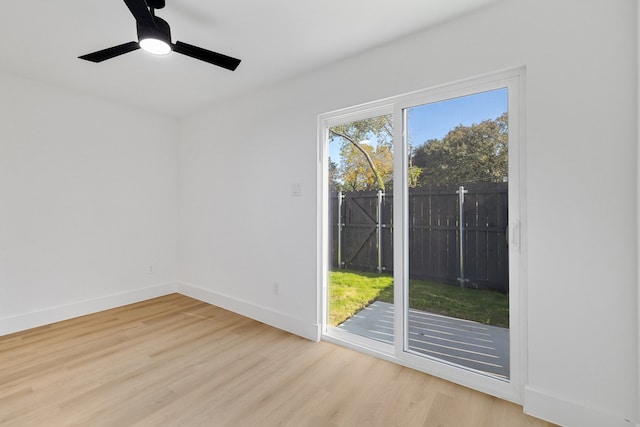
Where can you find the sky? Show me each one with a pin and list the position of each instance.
(435, 120)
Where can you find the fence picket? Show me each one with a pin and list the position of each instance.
(433, 233)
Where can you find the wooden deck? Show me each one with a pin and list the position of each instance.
(469, 344)
(175, 361)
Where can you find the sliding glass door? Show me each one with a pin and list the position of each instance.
(457, 309)
(421, 230)
(360, 269)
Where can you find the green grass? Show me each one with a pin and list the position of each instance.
(349, 292)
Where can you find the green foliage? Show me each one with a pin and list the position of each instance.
(361, 166)
(476, 153)
(350, 292)
(413, 176)
(334, 177)
(356, 172)
(488, 307)
(380, 128)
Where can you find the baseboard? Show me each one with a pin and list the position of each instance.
(565, 413)
(262, 314)
(22, 322)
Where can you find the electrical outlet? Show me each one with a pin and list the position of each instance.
(150, 269)
(276, 288)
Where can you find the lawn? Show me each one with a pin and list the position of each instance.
(352, 291)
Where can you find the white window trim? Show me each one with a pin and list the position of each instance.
(514, 80)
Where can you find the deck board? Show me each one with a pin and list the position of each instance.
(469, 344)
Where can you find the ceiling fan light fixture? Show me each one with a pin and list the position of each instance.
(155, 46)
(155, 39)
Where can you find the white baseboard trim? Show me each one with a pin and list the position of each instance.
(570, 414)
(22, 322)
(262, 314)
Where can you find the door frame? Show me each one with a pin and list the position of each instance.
(514, 80)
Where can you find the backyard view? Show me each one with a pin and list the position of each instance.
(351, 291)
(456, 217)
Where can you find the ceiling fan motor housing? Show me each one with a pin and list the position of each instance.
(161, 32)
(156, 4)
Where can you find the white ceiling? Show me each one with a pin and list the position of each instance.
(276, 40)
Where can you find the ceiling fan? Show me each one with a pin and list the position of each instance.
(154, 36)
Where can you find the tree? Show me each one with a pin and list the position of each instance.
(334, 177)
(372, 171)
(413, 172)
(362, 167)
(476, 153)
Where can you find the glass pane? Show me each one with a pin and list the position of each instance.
(458, 214)
(360, 283)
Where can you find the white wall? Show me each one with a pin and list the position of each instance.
(241, 230)
(89, 194)
(88, 200)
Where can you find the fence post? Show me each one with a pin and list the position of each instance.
(340, 224)
(379, 220)
(461, 191)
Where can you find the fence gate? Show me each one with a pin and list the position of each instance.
(362, 231)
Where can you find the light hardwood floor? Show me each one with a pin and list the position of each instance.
(176, 361)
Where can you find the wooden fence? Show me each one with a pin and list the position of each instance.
(363, 238)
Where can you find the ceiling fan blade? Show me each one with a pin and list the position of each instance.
(214, 58)
(111, 52)
(141, 12)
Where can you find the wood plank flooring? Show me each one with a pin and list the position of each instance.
(176, 361)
